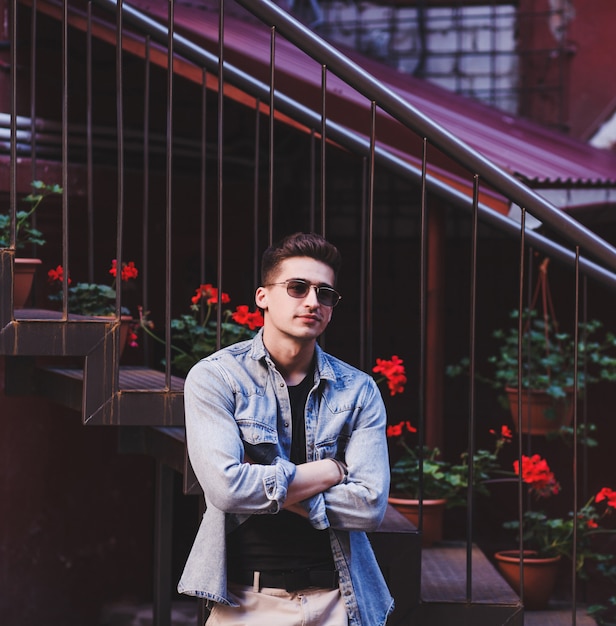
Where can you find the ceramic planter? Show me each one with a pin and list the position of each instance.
(539, 576)
(432, 529)
(23, 279)
(537, 406)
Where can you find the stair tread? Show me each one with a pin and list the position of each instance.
(443, 576)
(132, 377)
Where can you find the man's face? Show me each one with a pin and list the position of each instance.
(300, 318)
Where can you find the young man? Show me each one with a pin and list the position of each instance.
(289, 446)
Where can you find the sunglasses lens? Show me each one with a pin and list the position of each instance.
(327, 296)
(297, 288)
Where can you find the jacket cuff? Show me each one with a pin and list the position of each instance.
(277, 484)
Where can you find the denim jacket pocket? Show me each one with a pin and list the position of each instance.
(334, 447)
(254, 432)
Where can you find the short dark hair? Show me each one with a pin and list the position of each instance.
(299, 244)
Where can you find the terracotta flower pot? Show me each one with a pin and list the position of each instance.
(539, 576)
(536, 407)
(432, 529)
(24, 277)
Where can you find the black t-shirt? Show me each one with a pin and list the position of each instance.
(284, 541)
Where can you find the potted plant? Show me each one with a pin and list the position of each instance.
(25, 234)
(194, 334)
(547, 363)
(439, 483)
(97, 300)
(425, 475)
(547, 539)
(547, 366)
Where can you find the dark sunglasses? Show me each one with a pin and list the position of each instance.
(298, 288)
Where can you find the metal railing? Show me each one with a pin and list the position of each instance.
(207, 164)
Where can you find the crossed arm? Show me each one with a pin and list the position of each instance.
(310, 479)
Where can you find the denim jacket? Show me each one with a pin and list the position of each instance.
(237, 402)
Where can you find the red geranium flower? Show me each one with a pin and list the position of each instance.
(128, 270)
(395, 430)
(210, 293)
(505, 432)
(393, 371)
(607, 494)
(536, 473)
(57, 275)
(243, 316)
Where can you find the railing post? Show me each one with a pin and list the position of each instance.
(163, 531)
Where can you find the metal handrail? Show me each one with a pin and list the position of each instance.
(361, 145)
(409, 116)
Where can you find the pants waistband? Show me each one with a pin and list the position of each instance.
(292, 580)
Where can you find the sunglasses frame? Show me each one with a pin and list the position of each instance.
(318, 289)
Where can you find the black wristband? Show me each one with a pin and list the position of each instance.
(344, 470)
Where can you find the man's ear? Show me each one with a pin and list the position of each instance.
(261, 298)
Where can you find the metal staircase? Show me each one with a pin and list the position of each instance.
(44, 343)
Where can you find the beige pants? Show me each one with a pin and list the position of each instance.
(277, 607)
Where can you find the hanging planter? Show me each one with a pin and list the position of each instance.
(541, 413)
(545, 358)
(539, 576)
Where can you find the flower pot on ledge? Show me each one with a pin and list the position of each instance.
(23, 279)
(432, 528)
(539, 576)
(541, 413)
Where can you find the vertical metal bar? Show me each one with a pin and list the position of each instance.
(120, 184)
(203, 179)
(271, 135)
(65, 262)
(584, 481)
(13, 143)
(255, 208)
(33, 48)
(163, 537)
(471, 395)
(363, 361)
(145, 192)
(313, 178)
(529, 273)
(519, 407)
(370, 243)
(169, 193)
(89, 142)
(574, 468)
(323, 143)
(221, 89)
(423, 298)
